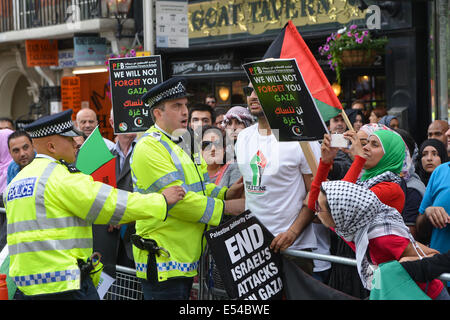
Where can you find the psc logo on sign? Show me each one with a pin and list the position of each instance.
(123, 126)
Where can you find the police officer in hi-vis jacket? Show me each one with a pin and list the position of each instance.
(158, 162)
(50, 207)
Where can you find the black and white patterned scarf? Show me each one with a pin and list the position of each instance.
(386, 176)
(360, 216)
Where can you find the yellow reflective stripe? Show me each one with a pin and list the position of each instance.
(121, 206)
(209, 210)
(50, 245)
(97, 205)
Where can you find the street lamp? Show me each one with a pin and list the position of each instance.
(119, 10)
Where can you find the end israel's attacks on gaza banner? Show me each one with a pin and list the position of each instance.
(286, 100)
(250, 270)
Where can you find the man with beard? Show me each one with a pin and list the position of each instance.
(21, 150)
(277, 178)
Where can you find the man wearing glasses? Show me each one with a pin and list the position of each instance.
(276, 179)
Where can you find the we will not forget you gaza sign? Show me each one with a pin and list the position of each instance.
(249, 269)
(286, 100)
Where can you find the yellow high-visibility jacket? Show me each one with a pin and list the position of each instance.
(50, 211)
(157, 163)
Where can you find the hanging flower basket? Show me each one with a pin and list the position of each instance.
(358, 58)
(351, 48)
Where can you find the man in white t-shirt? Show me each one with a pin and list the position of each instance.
(277, 178)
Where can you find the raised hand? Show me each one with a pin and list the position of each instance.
(328, 153)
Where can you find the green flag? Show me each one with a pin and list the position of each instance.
(93, 154)
(392, 282)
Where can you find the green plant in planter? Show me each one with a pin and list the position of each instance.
(350, 39)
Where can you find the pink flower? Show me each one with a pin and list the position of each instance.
(353, 27)
(359, 40)
(349, 34)
(326, 48)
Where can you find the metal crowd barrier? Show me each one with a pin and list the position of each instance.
(126, 286)
(337, 259)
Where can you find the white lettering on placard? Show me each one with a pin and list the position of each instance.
(248, 240)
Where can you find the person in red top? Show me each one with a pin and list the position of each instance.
(369, 226)
(382, 159)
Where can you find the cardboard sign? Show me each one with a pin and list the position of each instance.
(249, 269)
(286, 100)
(41, 53)
(71, 94)
(130, 79)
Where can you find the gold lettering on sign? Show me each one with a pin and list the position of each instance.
(227, 17)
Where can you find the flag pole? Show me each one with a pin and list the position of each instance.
(347, 120)
(309, 155)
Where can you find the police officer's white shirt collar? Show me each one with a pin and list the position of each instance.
(41, 155)
(171, 137)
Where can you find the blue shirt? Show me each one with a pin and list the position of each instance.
(13, 170)
(437, 194)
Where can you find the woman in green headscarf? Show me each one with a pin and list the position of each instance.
(382, 158)
(385, 151)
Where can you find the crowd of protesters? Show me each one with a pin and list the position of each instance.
(386, 194)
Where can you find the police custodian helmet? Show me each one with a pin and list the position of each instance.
(54, 124)
(170, 89)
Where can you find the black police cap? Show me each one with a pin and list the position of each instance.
(55, 124)
(170, 89)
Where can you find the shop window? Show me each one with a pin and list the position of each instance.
(227, 92)
(223, 93)
(367, 85)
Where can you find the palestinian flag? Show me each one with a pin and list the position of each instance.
(290, 44)
(95, 159)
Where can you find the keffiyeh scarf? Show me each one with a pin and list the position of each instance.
(240, 113)
(387, 176)
(360, 216)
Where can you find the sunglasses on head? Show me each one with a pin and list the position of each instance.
(208, 144)
(248, 91)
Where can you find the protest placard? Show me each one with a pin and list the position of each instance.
(130, 79)
(286, 100)
(71, 94)
(250, 270)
